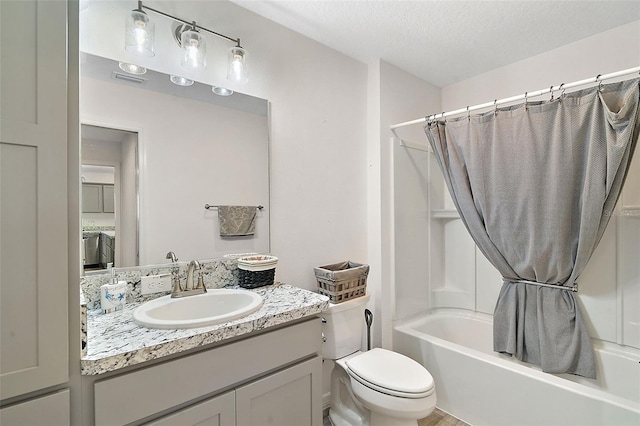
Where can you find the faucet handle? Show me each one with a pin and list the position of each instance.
(176, 287)
(200, 284)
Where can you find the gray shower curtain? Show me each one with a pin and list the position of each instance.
(535, 184)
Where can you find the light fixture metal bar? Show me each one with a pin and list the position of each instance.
(192, 24)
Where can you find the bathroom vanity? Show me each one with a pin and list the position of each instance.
(262, 369)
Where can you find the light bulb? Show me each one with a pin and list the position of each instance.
(180, 81)
(237, 68)
(132, 68)
(237, 65)
(221, 91)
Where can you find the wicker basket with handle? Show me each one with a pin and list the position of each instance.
(342, 281)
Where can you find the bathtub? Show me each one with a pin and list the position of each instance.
(483, 387)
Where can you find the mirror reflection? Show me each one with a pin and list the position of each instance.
(154, 154)
(109, 197)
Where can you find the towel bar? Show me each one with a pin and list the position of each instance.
(209, 207)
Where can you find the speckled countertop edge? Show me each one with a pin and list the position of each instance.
(83, 325)
(115, 341)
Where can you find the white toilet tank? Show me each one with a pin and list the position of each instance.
(343, 327)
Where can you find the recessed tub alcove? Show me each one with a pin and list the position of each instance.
(483, 387)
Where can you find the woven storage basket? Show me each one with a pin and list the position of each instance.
(256, 270)
(254, 279)
(342, 281)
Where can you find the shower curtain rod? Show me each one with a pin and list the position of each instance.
(526, 95)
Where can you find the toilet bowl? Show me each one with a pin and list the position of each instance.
(378, 387)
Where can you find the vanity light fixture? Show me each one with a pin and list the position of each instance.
(180, 81)
(132, 68)
(140, 34)
(221, 91)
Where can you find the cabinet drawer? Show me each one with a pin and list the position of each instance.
(181, 380)
(52, 409)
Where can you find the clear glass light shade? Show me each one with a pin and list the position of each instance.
(132, 68)
(238, 65)
(139, 34)
(194, 50)
(180, 81)
(221, 91)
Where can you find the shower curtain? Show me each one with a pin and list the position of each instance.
(535, 184)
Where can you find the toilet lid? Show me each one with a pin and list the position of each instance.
(392, 371)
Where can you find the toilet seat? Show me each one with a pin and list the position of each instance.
(390, 373)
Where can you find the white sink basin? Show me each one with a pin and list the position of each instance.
(214, 307)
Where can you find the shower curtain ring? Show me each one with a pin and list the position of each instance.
(551, 91)
(599, 82)
(495, 107)
(526, 105)
(468, 114)
(561, 88)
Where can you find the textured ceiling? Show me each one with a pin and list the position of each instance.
(444, 42)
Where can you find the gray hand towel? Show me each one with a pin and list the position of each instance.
(236, 221)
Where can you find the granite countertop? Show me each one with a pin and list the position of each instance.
(115, 341)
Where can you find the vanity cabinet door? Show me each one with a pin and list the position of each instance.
(291, 397)
(217, 411)
(91, 198)
(108, 205)
(107, 245)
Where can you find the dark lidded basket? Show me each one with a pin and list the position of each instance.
(254, 279)
(256, 270)
(342, 281)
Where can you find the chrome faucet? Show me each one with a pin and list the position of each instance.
(189, 289)
(194, 265)
(171, 255)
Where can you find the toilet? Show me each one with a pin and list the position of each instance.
(378, 387)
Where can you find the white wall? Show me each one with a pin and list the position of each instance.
(403, 195)
(318, 131)
(608, 286)
(610, 51)
(127, 241)
(98, 174)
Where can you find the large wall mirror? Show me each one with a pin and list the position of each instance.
(154, 154)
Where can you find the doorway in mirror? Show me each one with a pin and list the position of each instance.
(109, 197)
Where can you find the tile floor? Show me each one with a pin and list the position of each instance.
(437, 418)
(440, 418)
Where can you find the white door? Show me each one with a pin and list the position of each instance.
(33, 196)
